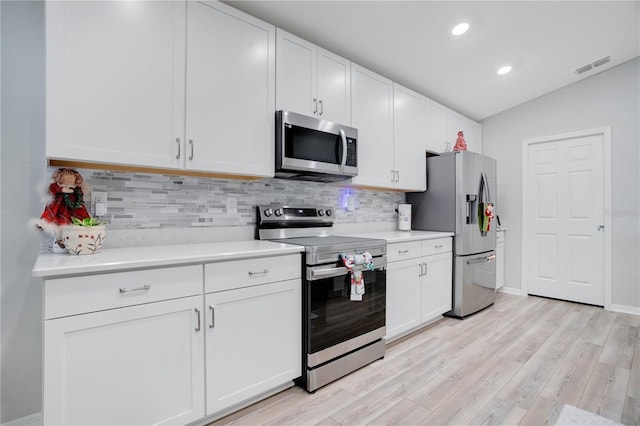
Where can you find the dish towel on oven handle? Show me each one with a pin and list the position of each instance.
(357, 280)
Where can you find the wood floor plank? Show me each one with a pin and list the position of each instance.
(570, 378)
(403, 413)
(568, 332)
(605, 392)
(620, 346)
(634, 384)
(464, 405)
(543, 412)
(599, 327)
(523, 389)
(499, 412)
(631, 411)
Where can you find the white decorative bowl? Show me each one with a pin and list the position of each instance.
(83, 239)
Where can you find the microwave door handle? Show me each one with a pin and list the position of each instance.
(343, 138)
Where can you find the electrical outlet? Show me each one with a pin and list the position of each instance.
(99, 203)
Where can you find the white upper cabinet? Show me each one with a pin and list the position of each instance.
(409, 139)
(436, 127)
(443, 125)
(115, 81)
(230, 91)
(117, 84)
(472, 134)
(454, 125)
(311, 80)
(372, 115)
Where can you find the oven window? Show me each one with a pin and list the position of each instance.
(334, 318)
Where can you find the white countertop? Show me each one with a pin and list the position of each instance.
(52, 265)
(402, 236)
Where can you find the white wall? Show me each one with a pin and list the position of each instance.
(611, 98)
(22, 164)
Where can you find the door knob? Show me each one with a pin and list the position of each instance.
(600, 228)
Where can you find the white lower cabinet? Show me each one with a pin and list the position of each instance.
(253, 341)
(138, 365)
(418, 284)
(499, 259)
(144, 347)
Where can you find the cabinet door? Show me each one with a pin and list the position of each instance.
(454, 125)
(436, 286)
(403, 297)
(472, 134)
(436, 127)
(138, 365)
(230, 91)
(372, 115)
(296, 68)
(409, 139)
(334, 87)
(115, 81)
(254, 341)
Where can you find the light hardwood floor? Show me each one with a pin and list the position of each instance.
(516, 362)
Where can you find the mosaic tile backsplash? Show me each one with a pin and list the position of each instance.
(147, 201)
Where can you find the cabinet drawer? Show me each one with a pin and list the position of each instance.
(435, 246)
(90, 293)
(247, 272)
(401, 251)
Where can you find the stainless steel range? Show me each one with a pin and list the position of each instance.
(340, 332)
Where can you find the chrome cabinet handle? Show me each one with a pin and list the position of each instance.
(315, 105)
(397, 176)
(393, 176)
(191, 143)
(198, 324)
(425, 269)
(421, 270)
(438, 246)
(321, 107)
(178, 142)
(403, 251)
(129, 290)
(264, 271)
(213, 317)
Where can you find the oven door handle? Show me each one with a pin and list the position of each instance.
(315, 273)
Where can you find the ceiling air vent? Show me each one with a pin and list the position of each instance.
(601, 61)
(583, 68)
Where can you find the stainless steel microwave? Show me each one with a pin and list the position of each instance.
(308, 148)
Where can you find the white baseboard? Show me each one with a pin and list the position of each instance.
(511, 290)
(34, 419)
(625, 309)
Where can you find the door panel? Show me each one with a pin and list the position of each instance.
(566, 207)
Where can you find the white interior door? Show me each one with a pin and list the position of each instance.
(565, 218)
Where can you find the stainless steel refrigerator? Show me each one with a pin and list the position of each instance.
(460, 188)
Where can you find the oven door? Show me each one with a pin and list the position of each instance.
(335, 324)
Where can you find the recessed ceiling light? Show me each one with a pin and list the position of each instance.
(504, 69)
(460, 29)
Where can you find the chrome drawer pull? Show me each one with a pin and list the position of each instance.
(438, 245)
(213, 317)
(264, 271)
(403, 251)
(129, 290)
(198, 313)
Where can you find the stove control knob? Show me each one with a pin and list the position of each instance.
(268, 212)
(278, 212)
(320, 212)
(329, 212)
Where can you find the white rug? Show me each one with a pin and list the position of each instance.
(574, 416)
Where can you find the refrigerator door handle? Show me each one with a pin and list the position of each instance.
(471, 200)
(486, 259)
